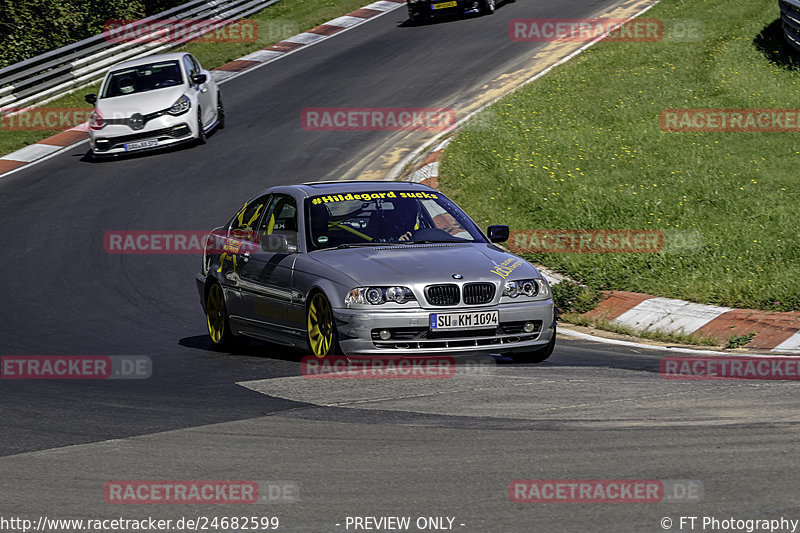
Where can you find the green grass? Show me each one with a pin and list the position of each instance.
(738, 341)
(275, 23)
(570, 297)
(582, 148)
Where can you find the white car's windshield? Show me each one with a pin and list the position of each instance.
(402, 217)
(142, 78)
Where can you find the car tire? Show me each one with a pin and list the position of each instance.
(220, 113)
(320, 326)
(488, 7)
(201, 134)
(217, 321)
(536, 355)
(419, 20)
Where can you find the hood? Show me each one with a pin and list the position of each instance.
(144, 103)
(426, 263)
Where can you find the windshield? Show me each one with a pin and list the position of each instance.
(143, 78)
(396, 217)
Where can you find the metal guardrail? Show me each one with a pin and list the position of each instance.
(790, 20)
(59, 72)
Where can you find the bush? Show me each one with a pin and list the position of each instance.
(571, 297)
(33, 27)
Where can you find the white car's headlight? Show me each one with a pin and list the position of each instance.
(379, 295)
(527, 287)
(96, 122)
(181, 106)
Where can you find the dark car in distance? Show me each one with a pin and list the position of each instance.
(421, 11)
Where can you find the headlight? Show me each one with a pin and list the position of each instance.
(374, 295)
(379, 295)
(527, 287)
(414, 1)
(181, 106)
(544, 288)
(511, 290)
(96, 121)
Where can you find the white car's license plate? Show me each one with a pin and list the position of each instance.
(477, 319)
(141, 144)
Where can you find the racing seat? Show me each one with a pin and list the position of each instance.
(288, 227)
(283, 221)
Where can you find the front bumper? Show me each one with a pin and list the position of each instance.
(357, 329)
(166, 130)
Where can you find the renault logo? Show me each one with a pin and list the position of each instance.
(136, 122)
(457, 276)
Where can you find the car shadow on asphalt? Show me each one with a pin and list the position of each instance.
(252, 348)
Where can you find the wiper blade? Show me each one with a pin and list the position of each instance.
(360, 244)
(431, 241)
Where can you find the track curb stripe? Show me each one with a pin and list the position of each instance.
(238, 65)
(774, 331)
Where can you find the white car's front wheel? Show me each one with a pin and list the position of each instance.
(220, 113)
(201, 133)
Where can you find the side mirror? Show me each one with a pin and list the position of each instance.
(277, 244)
(498, 233)
(199, 79)
(91, 98)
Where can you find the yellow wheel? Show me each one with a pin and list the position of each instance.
(321, 329)
(219, 329)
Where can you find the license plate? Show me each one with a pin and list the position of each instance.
(139, 145)
(445, 5)
(478, 319)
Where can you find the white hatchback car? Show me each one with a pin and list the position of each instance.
(153, 102)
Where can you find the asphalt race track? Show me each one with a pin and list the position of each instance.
(399, 448)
